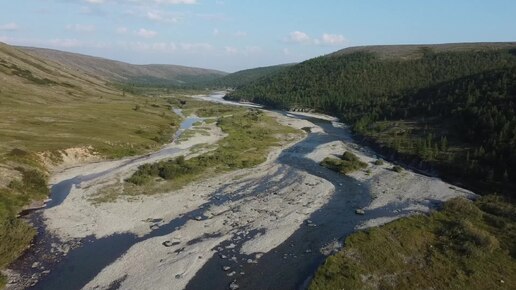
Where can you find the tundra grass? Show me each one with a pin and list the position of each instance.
(251, 134)
(465, 246)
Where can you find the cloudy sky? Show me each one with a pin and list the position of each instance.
(231, 35)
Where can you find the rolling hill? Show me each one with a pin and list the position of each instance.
(117, 71)
(243, 77)
(47, 108)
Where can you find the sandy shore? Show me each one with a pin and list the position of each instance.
(260, 208)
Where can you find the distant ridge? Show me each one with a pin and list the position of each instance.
(117, 71)
(415, 50)
(247, 76)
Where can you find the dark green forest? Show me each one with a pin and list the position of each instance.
(453, 111)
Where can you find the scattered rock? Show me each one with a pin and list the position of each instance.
(360, 211)
(35, 265)
(198, 218)
(178, 276)
(231, 246)
(226, 268)
(233, 285)
(231, 274)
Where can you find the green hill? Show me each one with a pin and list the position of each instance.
(243, 77)
(47, 107)
(451, 107)
(117, 71)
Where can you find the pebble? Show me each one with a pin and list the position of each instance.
(231, 274)
(233, 285)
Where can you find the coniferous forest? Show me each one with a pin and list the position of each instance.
(453, 111)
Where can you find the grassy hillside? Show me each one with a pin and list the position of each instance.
(46, 107)
(466, 246)
(116, 71)
(451, 107)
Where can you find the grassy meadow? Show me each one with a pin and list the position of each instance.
(45, 107)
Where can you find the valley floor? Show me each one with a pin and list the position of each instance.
(276, 220)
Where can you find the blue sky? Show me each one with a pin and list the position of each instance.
(236, 34)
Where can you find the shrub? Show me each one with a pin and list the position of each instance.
(379, 162)
(397, 168)
(348, 163)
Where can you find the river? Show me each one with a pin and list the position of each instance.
(288, 266)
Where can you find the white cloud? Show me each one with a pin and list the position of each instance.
(81, 28)
(299, 37)
(162, 17)
(170, 2)
(161, 47)
(121, 30)
(142, 32)
(333, 39)
(9, 27)
(325, 39)
(176, 1)
(66, 43)
(286, 51)
(231, 50)
(240, 34)
(95, 1)
(196, 47)
(216, 32)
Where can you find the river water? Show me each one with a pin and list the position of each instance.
(289, 266)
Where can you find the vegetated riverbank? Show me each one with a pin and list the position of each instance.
(467, 245)
(289, 204)
(37, 145)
